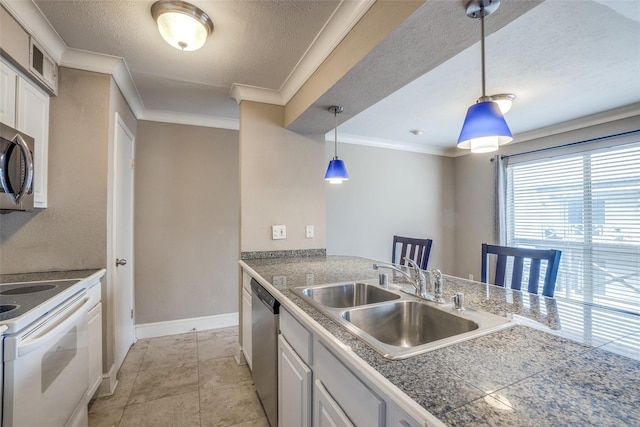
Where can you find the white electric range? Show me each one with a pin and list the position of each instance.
(44, 353)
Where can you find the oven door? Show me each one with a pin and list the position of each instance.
(45, 368)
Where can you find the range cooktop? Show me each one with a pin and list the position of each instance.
(23, 303)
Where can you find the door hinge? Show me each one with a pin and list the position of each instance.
(133, 163)
(132, 313)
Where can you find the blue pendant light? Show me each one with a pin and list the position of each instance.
(336, 172)
(484, 127)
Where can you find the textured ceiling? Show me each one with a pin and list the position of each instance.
(255, 43)
(563, 59)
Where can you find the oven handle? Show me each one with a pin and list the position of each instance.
(33, 343)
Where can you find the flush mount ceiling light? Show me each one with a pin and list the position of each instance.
(336, 172)
(182, 24)
(484, 126)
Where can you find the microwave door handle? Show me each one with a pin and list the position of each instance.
(4, 173)
(28, 166)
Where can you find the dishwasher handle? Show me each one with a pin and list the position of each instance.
(265, 297)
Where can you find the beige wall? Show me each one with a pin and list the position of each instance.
(186, 222)
(391, 192)
(474, 190)
(282, 181)
(71, 233)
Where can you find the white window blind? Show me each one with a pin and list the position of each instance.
(587, 205)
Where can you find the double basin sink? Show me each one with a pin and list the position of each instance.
(394, 323)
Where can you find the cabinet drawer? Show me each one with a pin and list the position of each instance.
(297, 335)
(362, 405)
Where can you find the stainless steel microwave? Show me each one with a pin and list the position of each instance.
(16, 170)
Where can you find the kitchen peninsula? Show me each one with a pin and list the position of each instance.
(564, 363)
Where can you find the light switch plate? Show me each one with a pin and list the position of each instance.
(310, 232)
(278, 232)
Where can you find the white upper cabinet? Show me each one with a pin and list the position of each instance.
(25, 106)
(33, 119)
(8, 79)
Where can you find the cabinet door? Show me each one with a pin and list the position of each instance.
(246, 325)
(8, 79)
(33, 119)
(95, 349)
(327, 412)
(294, 387)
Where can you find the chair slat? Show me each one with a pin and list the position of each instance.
(414, 248)
(536, 256)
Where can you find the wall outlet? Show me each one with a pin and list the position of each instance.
(470, 276)
(278, 232)
(310, 232)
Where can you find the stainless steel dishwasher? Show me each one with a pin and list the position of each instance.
(264, 339)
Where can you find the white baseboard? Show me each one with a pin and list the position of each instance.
(109, 383)
(181, 326)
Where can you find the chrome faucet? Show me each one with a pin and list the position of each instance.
(415, 276)
(438, 286)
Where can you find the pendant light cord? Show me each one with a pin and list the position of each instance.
(335, 135)
(482, 46)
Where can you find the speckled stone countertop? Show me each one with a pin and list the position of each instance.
(564, 364)
(47, 275)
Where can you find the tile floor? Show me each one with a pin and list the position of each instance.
(182, 380)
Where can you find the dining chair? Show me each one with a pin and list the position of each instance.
(416, 249)
(518, 255)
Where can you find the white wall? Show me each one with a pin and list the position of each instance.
(390, 192)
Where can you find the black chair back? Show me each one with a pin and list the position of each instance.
(536, 256)
(416, 249)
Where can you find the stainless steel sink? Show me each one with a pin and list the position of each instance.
(348, 294)
(407, 323)
(396, 324)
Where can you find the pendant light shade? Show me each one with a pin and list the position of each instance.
(181, 24)
(484, 128)
(337, 171)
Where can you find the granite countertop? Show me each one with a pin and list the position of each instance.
(47, 275)
(565, 363)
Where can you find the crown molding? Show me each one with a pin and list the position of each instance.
(241, 92)
(31, 18)
(391, 145)
(583, 122)
(188, 119)
(89, 61)
(343, 19)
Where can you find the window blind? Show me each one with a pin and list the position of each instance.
(587, 204)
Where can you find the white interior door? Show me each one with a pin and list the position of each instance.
(124, 332)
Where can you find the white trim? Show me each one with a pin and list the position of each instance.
(342, 21)
(89, 61)
(181, 326)
(581, 123)
(188, 119)
(109, 382)
(38, 26)
(384, 143)
(241, 92)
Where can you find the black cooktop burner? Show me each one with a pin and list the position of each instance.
(17, 299)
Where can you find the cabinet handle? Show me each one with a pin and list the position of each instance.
(120, 262)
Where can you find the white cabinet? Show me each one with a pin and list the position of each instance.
(33, 119)
(294, 387)
(361, 405)
(246, 317)
(327, 411)
(8, 80)
(95, 340)
(25, 107)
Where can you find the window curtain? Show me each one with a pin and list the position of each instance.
(500, 199)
